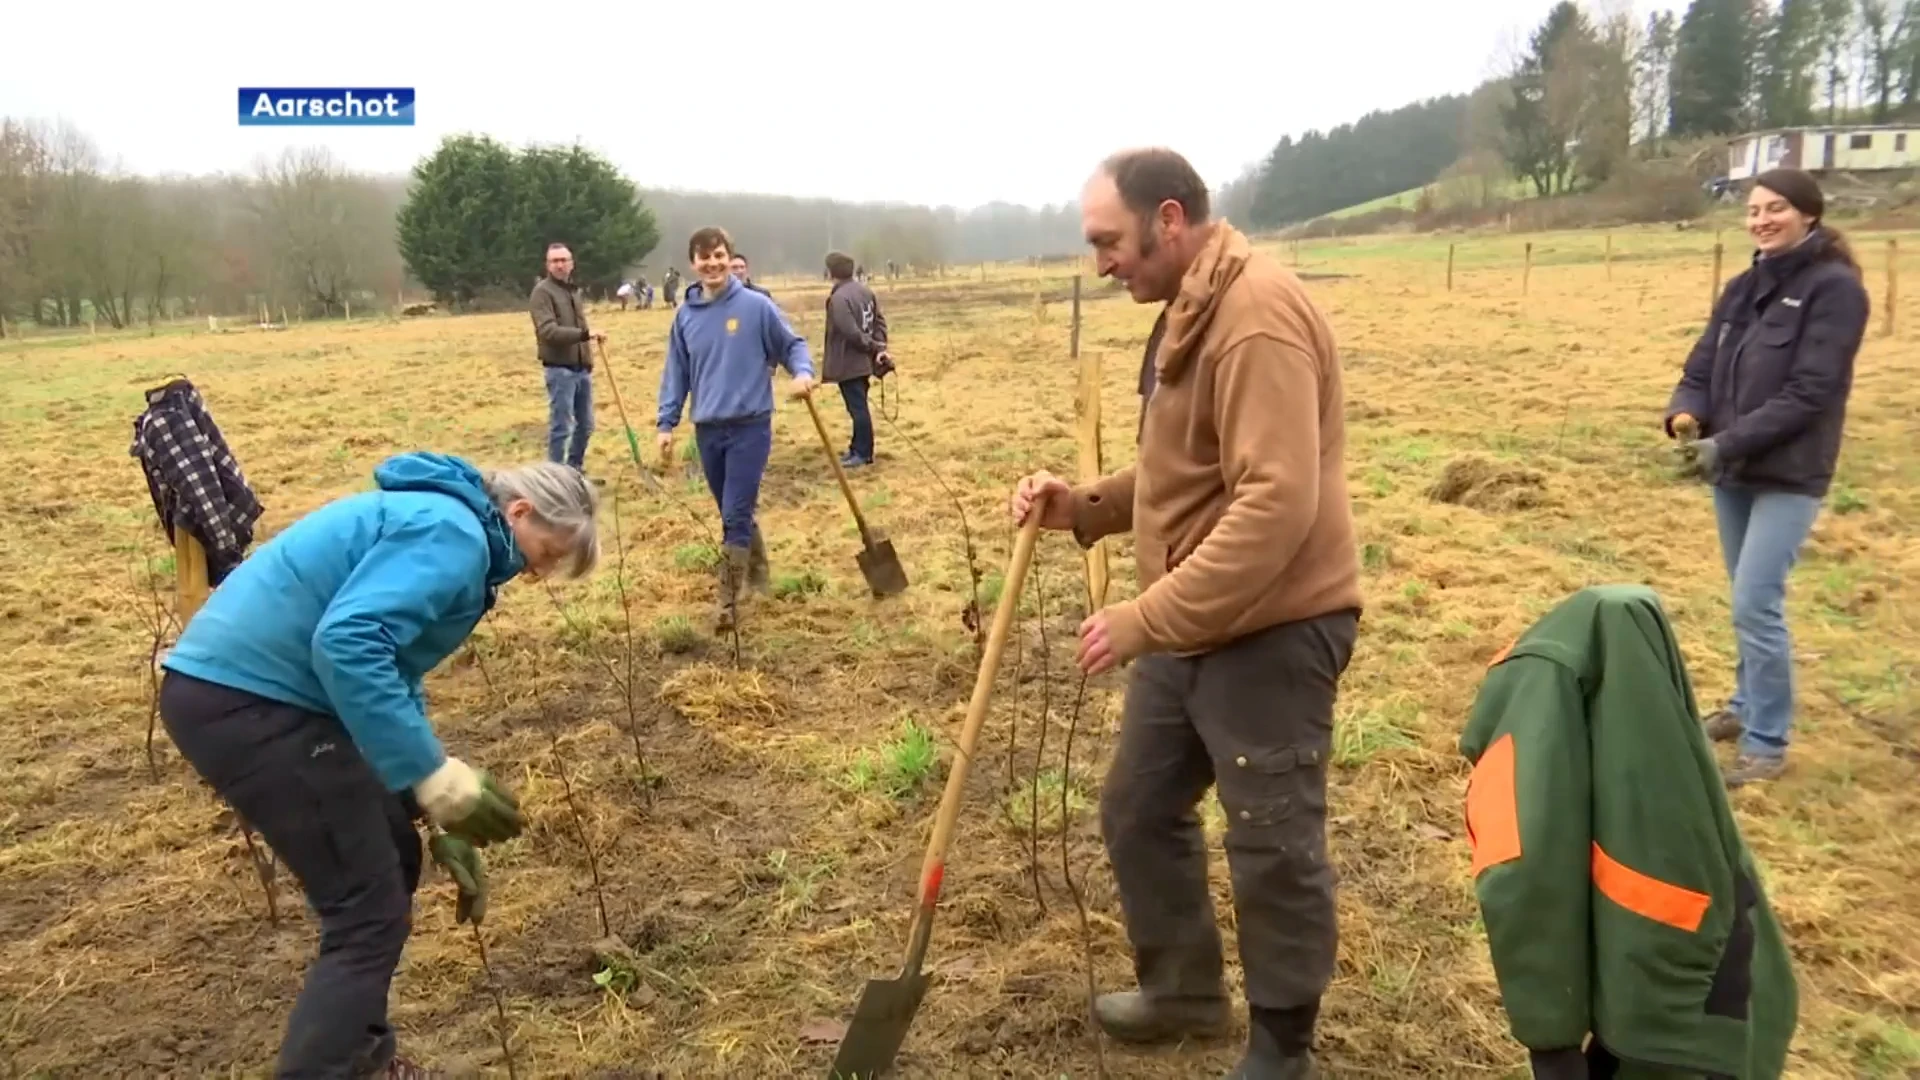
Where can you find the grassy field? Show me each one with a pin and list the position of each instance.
(1410, 199)
(761, 865)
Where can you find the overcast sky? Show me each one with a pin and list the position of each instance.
(910, 100)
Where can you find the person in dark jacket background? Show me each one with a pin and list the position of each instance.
(1759, 413)
(743, 270)
(565, 345)
(856, 351)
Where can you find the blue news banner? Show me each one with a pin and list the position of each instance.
(326, 106)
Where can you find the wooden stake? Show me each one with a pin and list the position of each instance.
(1893, 281)
(347, 307)
(1713, 297)
(1526, 269)
(1449, 267)
(1074, 341)
(1092, 467)
(1609, 257)
(189, 574)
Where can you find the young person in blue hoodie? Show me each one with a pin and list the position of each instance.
(722, 343)
(296, 693)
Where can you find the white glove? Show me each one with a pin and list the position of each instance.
(449, 793)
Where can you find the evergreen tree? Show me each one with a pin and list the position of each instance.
(1551, 88)
(480, 217)
(1789, 64)
(1712, 65)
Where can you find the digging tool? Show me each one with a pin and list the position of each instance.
(633, 441)
(878, 561)
(886, 1007)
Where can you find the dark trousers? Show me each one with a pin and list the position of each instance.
(1255, 717)
(733, 454)
(569, 414)
(854, 393)
(297, 778)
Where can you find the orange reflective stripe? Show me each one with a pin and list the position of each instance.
(1502, 654)
(1648, 897)
(1493, 810)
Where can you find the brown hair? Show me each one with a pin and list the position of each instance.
(1803, 193)
(1148, 177)
(705, 241)
(840, 265)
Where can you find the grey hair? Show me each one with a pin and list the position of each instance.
(563, 501)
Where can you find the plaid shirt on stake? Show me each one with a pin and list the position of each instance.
(193, 477)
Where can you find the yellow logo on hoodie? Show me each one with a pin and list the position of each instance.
(733, 325)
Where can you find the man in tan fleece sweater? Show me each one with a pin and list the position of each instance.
(1248, 609)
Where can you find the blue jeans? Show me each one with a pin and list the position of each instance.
(1760, 537)
(854, 393)
(733, 454)
(569, 413)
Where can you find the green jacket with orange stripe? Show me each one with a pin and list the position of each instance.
(1618, 896)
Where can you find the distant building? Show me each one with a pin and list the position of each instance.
(1844, 148)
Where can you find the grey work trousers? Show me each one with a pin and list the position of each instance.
(1255, 718)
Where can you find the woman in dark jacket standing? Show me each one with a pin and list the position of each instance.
(1759, 413)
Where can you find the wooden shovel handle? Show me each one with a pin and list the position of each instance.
(934, 869)
(840, 474)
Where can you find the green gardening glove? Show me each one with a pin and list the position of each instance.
(469, 804)
(462, 861)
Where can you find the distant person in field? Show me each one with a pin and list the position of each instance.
(744, 271)
(719, 349)
(643, 292)
(1759, 414)
(296, 693)
(1246, 619)
(670, 286)
(856, 352)
(564, 343)
(625, 293)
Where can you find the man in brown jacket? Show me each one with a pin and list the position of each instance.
(1246, 618)
(564, 344)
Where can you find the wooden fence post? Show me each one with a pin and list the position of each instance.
(1608, 258)
(1091, 465)
(189, 574)
(1449, 267)
(1526, 269)
(1893, 281)
(1713, 297)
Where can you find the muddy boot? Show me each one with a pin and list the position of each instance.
(1279, 1045)
(1749, 769)
(1135, 1018)
(759, 575)
(732, 580)
(1723, 725)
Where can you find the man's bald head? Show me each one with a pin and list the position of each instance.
(1145, 213)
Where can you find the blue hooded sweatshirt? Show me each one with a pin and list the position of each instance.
(346, 611)
(720, 349)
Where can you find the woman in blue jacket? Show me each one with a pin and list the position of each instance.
(1760, 409)
(295, 692)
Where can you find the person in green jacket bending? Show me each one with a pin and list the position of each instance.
(1619, 898)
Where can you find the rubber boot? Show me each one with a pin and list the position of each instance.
(1133, 1017)
(732, 580)
(1279, 1045)
(759, 574)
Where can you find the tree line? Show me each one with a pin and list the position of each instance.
(83, 241)
(1594, 90)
